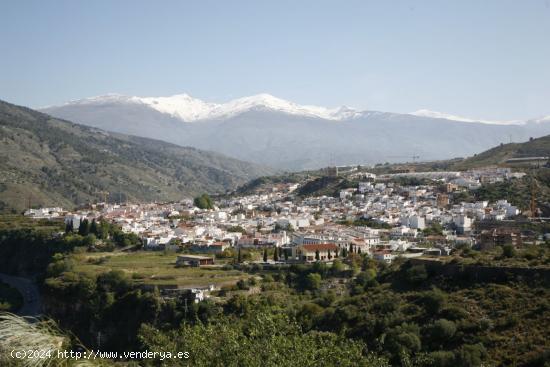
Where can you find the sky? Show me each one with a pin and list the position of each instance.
(484, 59)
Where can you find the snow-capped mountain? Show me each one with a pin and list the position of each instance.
(446, 116)
(282, 134)
(189, 109)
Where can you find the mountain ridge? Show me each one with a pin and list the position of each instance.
(290, 141)
(190, 109)
(49, 161)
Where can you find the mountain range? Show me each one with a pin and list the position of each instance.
(46, 161)
(285, 135)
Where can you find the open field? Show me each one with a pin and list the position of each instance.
(155, 268)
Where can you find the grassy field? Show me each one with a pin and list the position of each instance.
(155, 268)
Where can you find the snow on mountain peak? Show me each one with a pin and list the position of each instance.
(441, 115)
(190, 109)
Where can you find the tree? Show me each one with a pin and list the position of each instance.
(313, 281)
(239, 256)
(434, 301)
(236, 229)
(89, 240)
(508, 251)
(93, 227)
(470, 355)
(276, 255)
(317, 256)
(265, 255)
(286, 254)
(203, 202)
(329, 255)
(336, 252)
(84, 227)
(69, 228)
(442, 330)
(416, 274)
(403, 339)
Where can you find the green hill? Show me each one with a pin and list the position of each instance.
(47, 161)
(539, 147)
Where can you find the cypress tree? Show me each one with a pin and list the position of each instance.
(69, 228)
(265, 255)
(84, 227)
(239, 256)
(317, 256)
(276, 254)
(93, 227)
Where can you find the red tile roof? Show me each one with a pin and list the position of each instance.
(320, 247)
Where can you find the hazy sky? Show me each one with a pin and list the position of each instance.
(484, 59)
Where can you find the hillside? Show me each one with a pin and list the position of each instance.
(539, 147)
(47, 161)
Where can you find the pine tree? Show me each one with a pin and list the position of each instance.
(265, 255)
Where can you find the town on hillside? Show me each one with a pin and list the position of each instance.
(383, 216)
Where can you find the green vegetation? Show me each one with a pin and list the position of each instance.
(152, 268)
(203, 202)
(354, 312)
(265, 339)
(326, 185)
(10, 298)
(372, 223)
(267, 182)
(528, 256)
(539, 147)
(50, 162)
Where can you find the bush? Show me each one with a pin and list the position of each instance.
(470, 355)
(403, 339)
(416, 274)
(313, 281)
(442, 358)
(508, 251)
(442, 330)
(434, 301)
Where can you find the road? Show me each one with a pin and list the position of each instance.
(28, 289)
